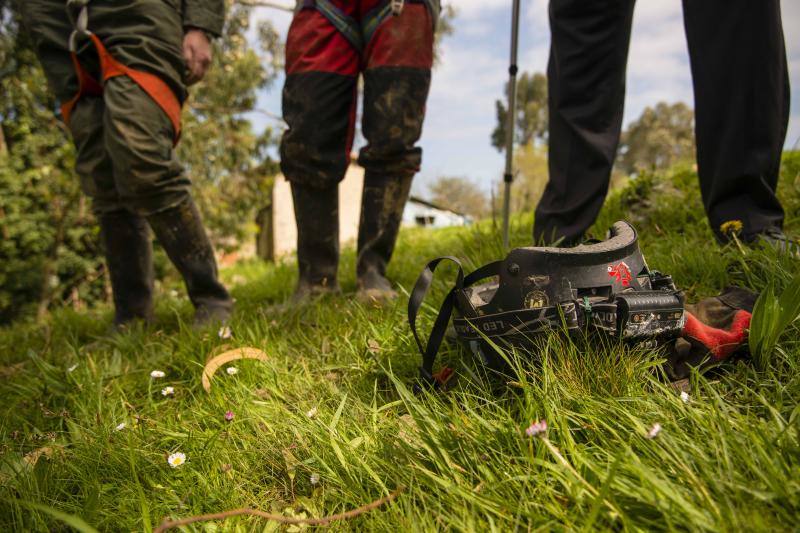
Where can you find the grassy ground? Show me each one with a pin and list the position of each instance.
(331, 406)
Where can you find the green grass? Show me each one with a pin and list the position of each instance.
(729, 459)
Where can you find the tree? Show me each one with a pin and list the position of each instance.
(528, 185)
(460, 195)
(659, 138)
(531, 121)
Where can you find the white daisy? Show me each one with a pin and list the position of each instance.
(314, 478)
(231, 370)
(156, 374)
(168, 391)
(120, 426)
(72, 368)
(654, 431)
(176, 459)
(685, 396)
(225, 332)
(536, 428)
(312, 412)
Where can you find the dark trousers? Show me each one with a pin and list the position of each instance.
(741, 92)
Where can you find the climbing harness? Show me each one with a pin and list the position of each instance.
(155, 87)
(606, 287)
(359, 34)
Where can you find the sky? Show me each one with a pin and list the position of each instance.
(474, 68)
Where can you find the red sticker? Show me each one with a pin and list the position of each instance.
(621, 273)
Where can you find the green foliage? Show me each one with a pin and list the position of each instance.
(661, 137)
(460, 195)
(49, 248)
(531, 120)
(726, 460)
(771, 318)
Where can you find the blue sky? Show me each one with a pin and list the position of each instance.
(473, 71)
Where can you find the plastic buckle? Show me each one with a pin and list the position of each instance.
(397, 7)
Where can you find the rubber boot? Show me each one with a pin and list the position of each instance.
(317, 214)
(182, 235)
(382, 205)
(129, 259)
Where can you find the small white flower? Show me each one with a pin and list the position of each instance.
(173, 293)
(156, 374)
(176, 459)
(72, 368)
(225, 332)
(654, 431)
(168, 391)
(231, 370)
(314, 478)
(685, 396)
(312, 412)
(120, 426)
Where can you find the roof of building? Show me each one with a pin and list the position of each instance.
(418, 200)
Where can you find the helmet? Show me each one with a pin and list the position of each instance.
(606, 286)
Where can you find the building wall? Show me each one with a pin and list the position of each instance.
(421, 215)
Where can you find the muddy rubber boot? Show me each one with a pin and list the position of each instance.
(180, 231)
(317, 214)
(382, 205)
(129, 259)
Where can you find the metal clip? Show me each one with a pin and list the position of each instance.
(80, 21)
(397, 7)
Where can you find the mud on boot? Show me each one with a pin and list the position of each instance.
(316, 211)
(180, 231)
(129, 259)
(382, 205)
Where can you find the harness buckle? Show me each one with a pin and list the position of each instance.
(397, 7)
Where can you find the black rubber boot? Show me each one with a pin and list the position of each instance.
(129, 259)
(317, 214)
(180, 231)
(382, 205)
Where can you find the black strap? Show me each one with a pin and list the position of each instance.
(421, 287)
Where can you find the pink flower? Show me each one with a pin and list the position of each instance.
(536, 428)
(228, 415)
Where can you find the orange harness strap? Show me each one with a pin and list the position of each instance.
(154, 86)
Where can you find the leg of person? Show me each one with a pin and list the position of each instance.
(125, 236)
(319, 98)
(150, 181)
(586, 91)
(397, 77)
(741, 92)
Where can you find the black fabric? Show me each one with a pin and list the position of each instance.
(318, 108)
(394, 109)
(741, 88)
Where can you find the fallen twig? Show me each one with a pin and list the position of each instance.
(325, 520)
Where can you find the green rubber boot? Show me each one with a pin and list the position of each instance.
(382, 205)
(180, 231)
(129, 259)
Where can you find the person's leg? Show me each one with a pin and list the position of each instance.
(397, 77)
(150, 181)
(319, 98)
(586, 91)
(125, 235)
(741, 93)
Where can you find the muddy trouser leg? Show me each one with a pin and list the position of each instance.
(150, 181)
(741, 92)
(396, 83)
(319, 99)
(586, 84)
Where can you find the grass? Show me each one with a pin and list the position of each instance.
(729, 459)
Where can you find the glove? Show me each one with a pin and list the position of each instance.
(716, 328)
